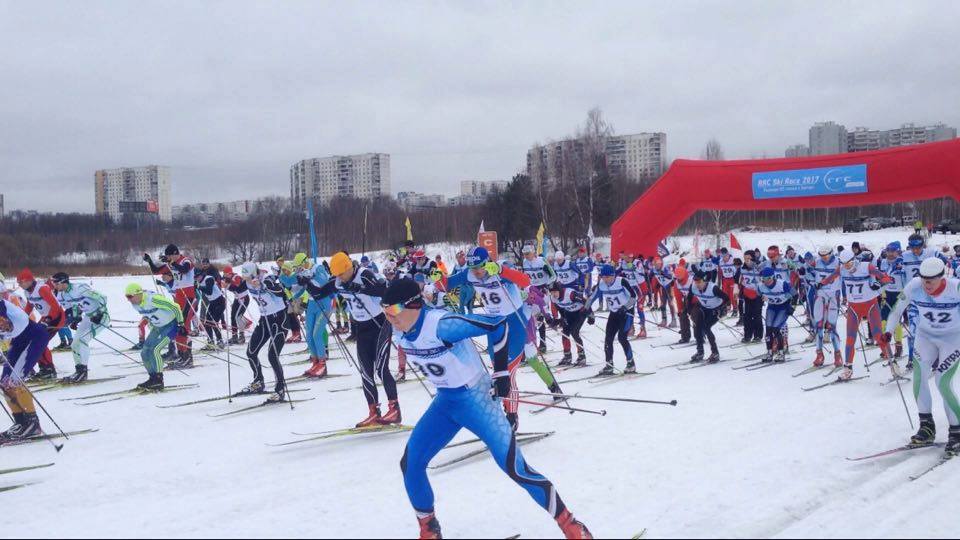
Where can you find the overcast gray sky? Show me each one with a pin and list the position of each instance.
(230, 94)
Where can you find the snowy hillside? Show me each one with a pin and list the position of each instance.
(744, 454)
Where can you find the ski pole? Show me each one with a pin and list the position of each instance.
(273, 347)
(560, 406)
(900, 388)
(123, 354)
(19, 381)
(672, 403)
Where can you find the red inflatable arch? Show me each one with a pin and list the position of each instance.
(902, 174)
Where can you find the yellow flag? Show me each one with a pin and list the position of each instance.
(409, 230)
(540, 232)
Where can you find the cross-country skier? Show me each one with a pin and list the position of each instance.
(826, 305)
(541, 276)
(28, 340)
(319, 311)
(636, 277)
(182, 270)
(270, 330)
(892, 265)
(917, 252)
(166, 324)
(585, 266)
(711, 302)
(665, 279)
(620, 298)
(213, 316)
(241, 300)
(937, 298)
(570, 303)
(89, 309)
(709, 265)
(682, 286)
(861, 284)
(726, 265)
(361, 291)
(752, 300)
(498, 288)
(778, 294)
(439, 344)
(42, 299)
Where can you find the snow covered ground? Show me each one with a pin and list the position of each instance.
(744, 454)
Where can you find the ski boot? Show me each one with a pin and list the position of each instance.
(898, 350)
(138, 346)
(697, 358)
(581, 359)
(256, 387)
(606, 371)
(514, 420)
(234, 340)
(279, 395)
(555, 390)
(572, 529)
(401, 376)
(318, 369)
(953, 442)
(631, 368)
(871, 342)
(221, 346)
(810, 338)
(768, 357)
(45, 373)
(643, 333)
(683, 340)
(28, 427)
(927, 434)
(62, 346)
(837, 359)
(746, 340)
(12, 433)
(153, 384)
(372, 419)
(567, 359)
(819, 361)
(542, 349)
(209, 347)
(393, 415)
(780, 357)
(79, 375)
(673, 322)
(714, 357)
(847, 373)
(429, 527)
(739, 322)
(186, 360)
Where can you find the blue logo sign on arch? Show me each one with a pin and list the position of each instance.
(825, 181)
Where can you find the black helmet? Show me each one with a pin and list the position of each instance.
(402, 291)
(171, 249)
(60, 277)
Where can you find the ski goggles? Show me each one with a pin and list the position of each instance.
(395, 309)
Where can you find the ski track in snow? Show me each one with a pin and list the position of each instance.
(744, 454)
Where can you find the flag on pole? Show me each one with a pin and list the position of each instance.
(409, 230)
(662, 249)
(734, 244)
(313, 234)
(540, 232)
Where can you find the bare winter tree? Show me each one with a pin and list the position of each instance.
(714, 152)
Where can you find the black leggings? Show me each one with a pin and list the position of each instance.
(213, 318)
(618, 324)
(572, 323)
(237, 310)
(753, 318)
(373, 353)
(270, 331)
(704, 328)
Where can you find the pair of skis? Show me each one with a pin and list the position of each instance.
(66, 383)
(39, 438)
(943, 460)
(340, 433)
(107, 397)
(522, 440)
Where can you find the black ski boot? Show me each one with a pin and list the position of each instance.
(15, 429)
(927, 434)
(697, 358)
(631, 368)
(714, 357)
(606, 371)
(153, 384)
(542, 349)
(234, 340)
(79, 375)
(45, 373)
(953, 441)
(768, 358)
(256, 387)
(184, 362)
(555, 389)
(30, 427)
(567, 359)
(581, 358)
(137, 347)
(514, 420)
(279, 395)
(683, 340)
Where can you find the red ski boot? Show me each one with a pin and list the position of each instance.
(643, 333)
(373, 419)
(572, 529)
(318, 370)
(819, 360)
(393, 415)
(837, 359)
(429, 527)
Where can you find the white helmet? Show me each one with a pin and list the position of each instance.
(528, 248)
(825, 250)
(932, 268)
(846, 256)
(249, 270)
(559, 255)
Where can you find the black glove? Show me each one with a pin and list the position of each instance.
(501, 387)
(147, 258)
(553, 323)
(96, 318)
(591, 319)
(876, 286)
(351, 286)
(73, 324)
(182, 331)
(160, 283)
(164, 258)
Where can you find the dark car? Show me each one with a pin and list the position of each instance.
(948, 226)
(854, 225)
